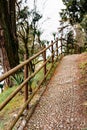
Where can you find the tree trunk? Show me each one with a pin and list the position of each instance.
(4, 58)
(11, 6)
(10, 43)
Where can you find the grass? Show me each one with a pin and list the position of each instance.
(7, 113)
(38, 77)
(6, 93)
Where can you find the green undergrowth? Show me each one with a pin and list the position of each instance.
(9, 110)
(39, 76)
(83, 68)
(13, 107)
(84, 129)
(6, 93)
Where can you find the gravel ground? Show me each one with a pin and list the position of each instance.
(60, 107)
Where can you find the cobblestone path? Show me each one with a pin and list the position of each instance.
(60, 107)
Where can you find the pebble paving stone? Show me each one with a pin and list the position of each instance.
(60, 107)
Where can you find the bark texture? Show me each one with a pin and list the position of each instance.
(8, 26)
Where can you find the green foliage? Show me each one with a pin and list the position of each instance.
(7, 113)
(38, 77)
(44, 42)
(17, 79)
(83, 65)
(6, 93)
(84, 22)
(36, 17)
(69, 48)
(75, 13)
(70, 37)
(75, 10)
(23, 13)
(54, 35)
(27, 29)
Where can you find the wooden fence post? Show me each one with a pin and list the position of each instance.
(57, 47)
(44, 56)
(25, 76)
(52, 51)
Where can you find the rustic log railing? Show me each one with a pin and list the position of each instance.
(53, 58)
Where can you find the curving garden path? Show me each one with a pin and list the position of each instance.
(61, 106)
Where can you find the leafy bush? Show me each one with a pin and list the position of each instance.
(17, 79)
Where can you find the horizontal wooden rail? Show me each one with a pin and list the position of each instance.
(12, 71)
(27, 102)
(21, 86)
(52, 58)
(24, 82)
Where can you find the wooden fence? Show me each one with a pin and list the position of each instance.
(54, 56)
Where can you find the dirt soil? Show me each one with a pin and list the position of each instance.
(62, 105)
